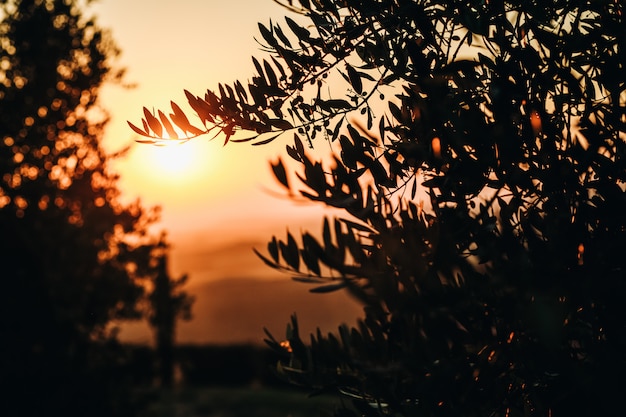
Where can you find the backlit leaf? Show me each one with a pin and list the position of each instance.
(179, 118)
(137, 130)
(168, 126)
(201, 107)
(153, 122)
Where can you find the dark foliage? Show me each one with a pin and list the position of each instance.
(73, 258)
(485, 225)
(168, 303)
(227, 366)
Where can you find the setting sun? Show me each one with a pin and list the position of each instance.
(174, 160)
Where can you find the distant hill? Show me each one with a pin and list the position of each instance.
(236, 310)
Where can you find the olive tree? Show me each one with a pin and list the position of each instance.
(479, 157)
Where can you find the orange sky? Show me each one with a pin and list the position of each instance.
(217, 201)
(166, 47)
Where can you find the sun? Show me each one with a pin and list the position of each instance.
(177, 163)
(176, 173)
(175, 160)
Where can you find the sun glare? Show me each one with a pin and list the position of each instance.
(172, 173)
(174, 160)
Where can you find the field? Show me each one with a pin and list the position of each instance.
(234, 402)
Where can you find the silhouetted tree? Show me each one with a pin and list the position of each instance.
(167, 304)
(68, 246)
(479, 155)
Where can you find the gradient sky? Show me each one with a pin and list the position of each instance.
(218, 202)
(191, 44)
(166, 47)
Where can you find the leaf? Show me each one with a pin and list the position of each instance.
(326, 234)
(338, 104)
(311, 260)
(280, 173)
(281, 124)
(298, 144)
(337, 129)
(264, 259)
(302, 33)
(258, 67)
(241, 92)
(355, 79)
(137, 130)
(281, 35)
(291, 151)
(267, 34)
(146, 141)
(153, 122)
(268, 140)
(168, 126)
(242, 140)
(271, 75)
(381, 129)
(395, 111)
(486, 61)
(357, 226)
(279, 67)
(328, 288)
(290, 252)
(272, 248)
(179, 118)
(308, 280)
(201, 107)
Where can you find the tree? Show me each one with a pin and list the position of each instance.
(167, 303)
(69, 249)
(479, 157)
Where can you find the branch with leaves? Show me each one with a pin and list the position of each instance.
(493, 295)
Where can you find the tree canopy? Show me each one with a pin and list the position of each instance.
(74, 258)
(479, 155)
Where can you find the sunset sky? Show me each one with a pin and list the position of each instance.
(218, 202)
(168, 47)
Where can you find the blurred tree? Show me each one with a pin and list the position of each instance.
(479, 155)
(69, 248)
(167, 303)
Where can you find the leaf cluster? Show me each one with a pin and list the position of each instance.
(484, 209)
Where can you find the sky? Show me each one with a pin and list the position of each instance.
(168, 47)
(217, 201)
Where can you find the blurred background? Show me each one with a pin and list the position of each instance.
(93, 300)
(218, 202)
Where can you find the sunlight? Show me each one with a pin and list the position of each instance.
(174, 167)
(176, 174)
(175, 161)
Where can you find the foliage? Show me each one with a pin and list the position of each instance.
(72, 255)
(484, 229)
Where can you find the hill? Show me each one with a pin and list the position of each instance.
(235, 311)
